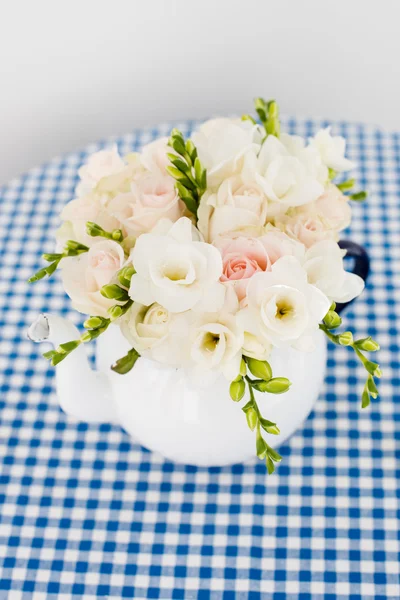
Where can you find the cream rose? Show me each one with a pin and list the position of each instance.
(152, 197)
(157, 333)
(154, 156)
(84, 276)
(307, 229)
(332, 208)
(235, 205)
(332, 150)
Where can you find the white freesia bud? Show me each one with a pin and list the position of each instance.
(175, 271)
(256, 347)
(216, 341)
(234, 206)
(283, 308)
(157, 333)
(292, 179)
(83, 277)
(324, 266)
(222, 145)
(332, 150)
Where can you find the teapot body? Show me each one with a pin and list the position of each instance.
(160, 408)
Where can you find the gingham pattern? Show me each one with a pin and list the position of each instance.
(87, 513)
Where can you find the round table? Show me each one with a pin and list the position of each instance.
(87, 513)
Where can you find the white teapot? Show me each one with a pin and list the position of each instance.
(162, 411)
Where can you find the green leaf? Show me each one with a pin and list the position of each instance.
(372, 368)
(237, 389)
(67, 347)
(126, 363)
(38, 275)
(359, 196)
(57, 358)
(331, 173)
(260, 368)
(52, 257)
(49, 354)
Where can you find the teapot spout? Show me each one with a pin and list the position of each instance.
(83, 393)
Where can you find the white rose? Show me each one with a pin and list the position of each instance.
(216, 342)
(176, 271)
(152, 197)
(77, 213)
(283, 308)
(286, 178)
(323, 264)
(84, 276)
(222, 145)
(157, 333)
(332, 150)
(235, 205)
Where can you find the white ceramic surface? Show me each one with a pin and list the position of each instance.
(159, 409)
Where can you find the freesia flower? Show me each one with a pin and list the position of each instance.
(215, 344)
(288, 174)
(84, 276)
(332, 150)
(176, 271)
(283, 308)
(323, 263)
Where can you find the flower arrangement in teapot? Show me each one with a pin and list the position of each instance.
(211, 251)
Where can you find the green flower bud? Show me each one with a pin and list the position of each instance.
(117, 235)
(251, 417)
(332, 320)
(67, 347)
(260, 368)
(237, 389)
(365, 399)
(373, 390)
(93, 322)
(125, 275)
(277, 385)
(261, 447)
(372, 368)
(126, 363)
(72, 245)
(346, 338)
(114, 292)
(367, 344)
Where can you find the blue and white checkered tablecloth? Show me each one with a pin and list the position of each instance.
(87, 513)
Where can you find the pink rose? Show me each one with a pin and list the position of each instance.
(241, 258)
(152, 197)
(278, 244)
(84, 276)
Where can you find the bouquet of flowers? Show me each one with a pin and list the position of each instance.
(211, 251)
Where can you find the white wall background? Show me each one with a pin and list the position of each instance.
(79, 70)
